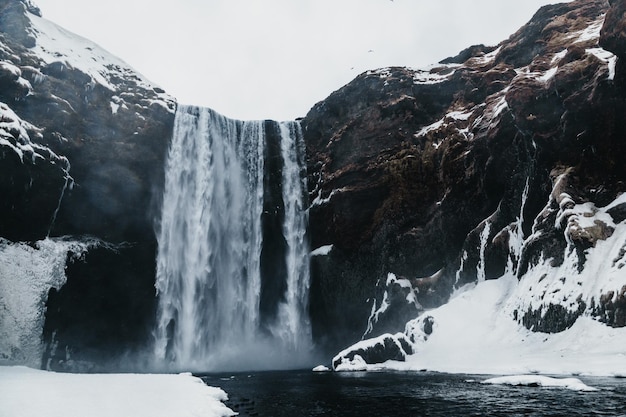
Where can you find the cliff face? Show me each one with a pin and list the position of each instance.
(501, 160)
(83, 140)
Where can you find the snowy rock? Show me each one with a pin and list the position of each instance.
(395, 303)
(384, 348)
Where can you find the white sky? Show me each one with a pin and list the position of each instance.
(257, 59)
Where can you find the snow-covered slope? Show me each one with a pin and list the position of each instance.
(57, 45)
(475, 333)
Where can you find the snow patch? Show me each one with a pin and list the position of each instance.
(28, 272)
(460, 115)
(484, 239)
(607, 57)
(590, 33)
(487, 58)
(430, 128)
(322, 250)
(381, 72)
(29, 392)
(319, 201)
(548, 75)
(559, 56)
(500, 106)
(14, 134)
(574, 384)
(55, 44)
(435, 74)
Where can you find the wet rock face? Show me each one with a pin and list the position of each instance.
(114, 136)
(104, 312)
(438, 175)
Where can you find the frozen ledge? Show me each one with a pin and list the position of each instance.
(29, 392)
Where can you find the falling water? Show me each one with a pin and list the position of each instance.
(293, 317)
(214, 241)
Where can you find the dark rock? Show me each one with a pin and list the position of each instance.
(272, 263)
(384, 348)
(428, 325)
(394, 304)
(554, 319)
(618, 213)
(104, 312)
(14, 23)
(613, 32)
(611, 308)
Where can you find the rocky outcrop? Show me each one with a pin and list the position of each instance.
(382, 349)
(456, 174)
(83, 140)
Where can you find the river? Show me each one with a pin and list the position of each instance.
(306, 393)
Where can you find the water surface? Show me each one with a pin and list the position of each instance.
(306, 393)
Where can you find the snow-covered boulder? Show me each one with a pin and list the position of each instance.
(378, 350)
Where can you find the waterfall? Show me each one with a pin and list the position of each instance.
(232, 264)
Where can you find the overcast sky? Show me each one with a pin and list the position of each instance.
(257, 59)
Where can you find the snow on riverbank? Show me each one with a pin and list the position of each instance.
(29, 392)
(473, 334)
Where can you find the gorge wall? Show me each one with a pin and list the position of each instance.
(501, 160)
(83, 140)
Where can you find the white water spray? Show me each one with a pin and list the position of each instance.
(210, 243)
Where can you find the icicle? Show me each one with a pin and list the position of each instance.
(516, 236)
(484, 237)
(67, 184)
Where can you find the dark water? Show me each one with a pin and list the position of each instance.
(306, 393)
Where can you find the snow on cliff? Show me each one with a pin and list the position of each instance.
(55, 44)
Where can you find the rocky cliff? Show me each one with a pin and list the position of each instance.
(501, 160)
(83, 140)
